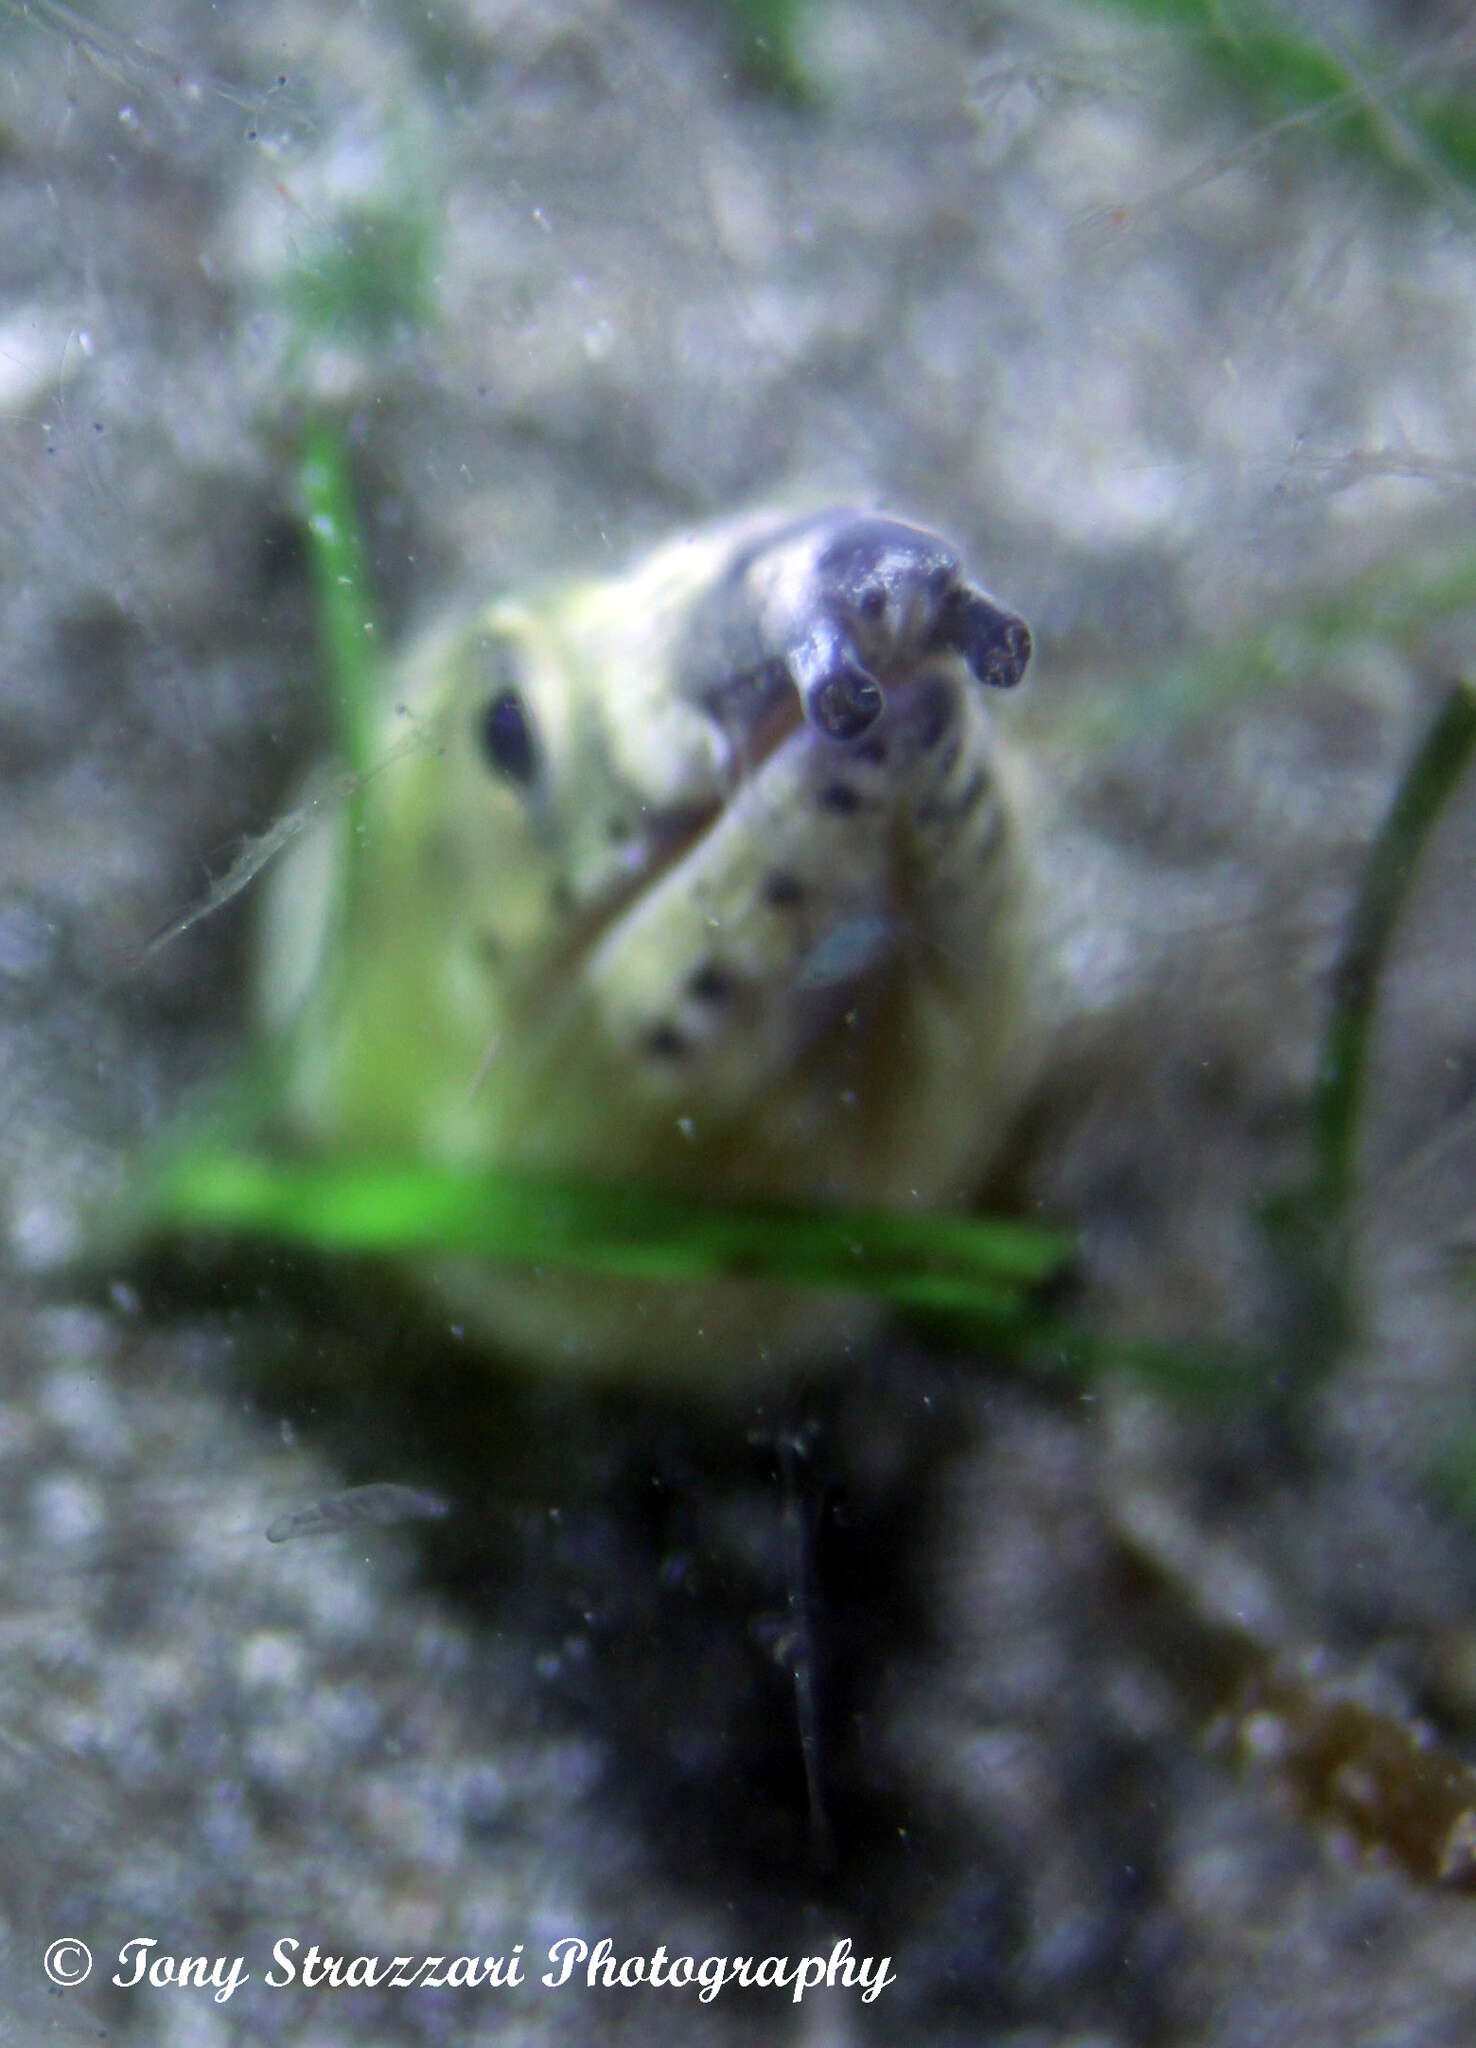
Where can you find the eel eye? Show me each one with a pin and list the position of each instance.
(507, 738)
(505, 727)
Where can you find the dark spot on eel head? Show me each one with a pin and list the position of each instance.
(710, 983)
(967, 798)
(663, 1041)
(782, 890)
(839, 797)
(949, 810)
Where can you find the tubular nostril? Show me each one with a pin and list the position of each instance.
(844, 703)
(995, 643)
(842, 698)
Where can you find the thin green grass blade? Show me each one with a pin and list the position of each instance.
(341, 583)
(1452, 1477)
(959, 1263)
(1291, 75)
(768, 37)
(369, 274)
(1433, 774)
(1212, 1377)
(1311, 1226)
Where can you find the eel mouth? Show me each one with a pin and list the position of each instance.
(840, 688)
(921, 706)
(886, 638)
(671, 840)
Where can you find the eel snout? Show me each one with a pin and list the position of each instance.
(882, 597)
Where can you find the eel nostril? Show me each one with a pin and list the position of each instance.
(845, 702)
(842, 698)
(995, 643)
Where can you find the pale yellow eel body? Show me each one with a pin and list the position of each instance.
(711, 875)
